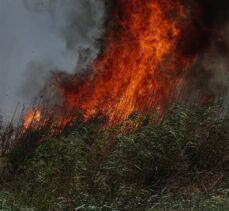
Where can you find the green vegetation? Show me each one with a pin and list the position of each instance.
(178, 163)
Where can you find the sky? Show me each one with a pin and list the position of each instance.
(38, 36)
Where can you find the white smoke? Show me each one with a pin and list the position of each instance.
(38, 36)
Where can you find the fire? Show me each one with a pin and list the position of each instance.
(138, 68)
(38, 118)
(31, 117)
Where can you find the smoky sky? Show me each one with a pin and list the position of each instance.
(40, 36)
(209, 42)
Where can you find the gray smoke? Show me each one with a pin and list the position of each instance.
(40, 36)
(209, 76)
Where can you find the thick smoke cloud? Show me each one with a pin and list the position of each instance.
(41, 36)
(209, 76)
(80, 25)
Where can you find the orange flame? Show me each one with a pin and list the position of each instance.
(138, 68)
(31, 117)
(38, 119)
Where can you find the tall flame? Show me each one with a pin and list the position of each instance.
(138, 67)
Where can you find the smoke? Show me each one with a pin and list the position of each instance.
(41, 36)
(209, 44)
(80, 25)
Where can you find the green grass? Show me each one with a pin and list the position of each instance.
(178, 163)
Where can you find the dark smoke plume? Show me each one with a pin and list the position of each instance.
(208, 42)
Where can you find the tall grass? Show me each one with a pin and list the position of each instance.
(95, 168)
